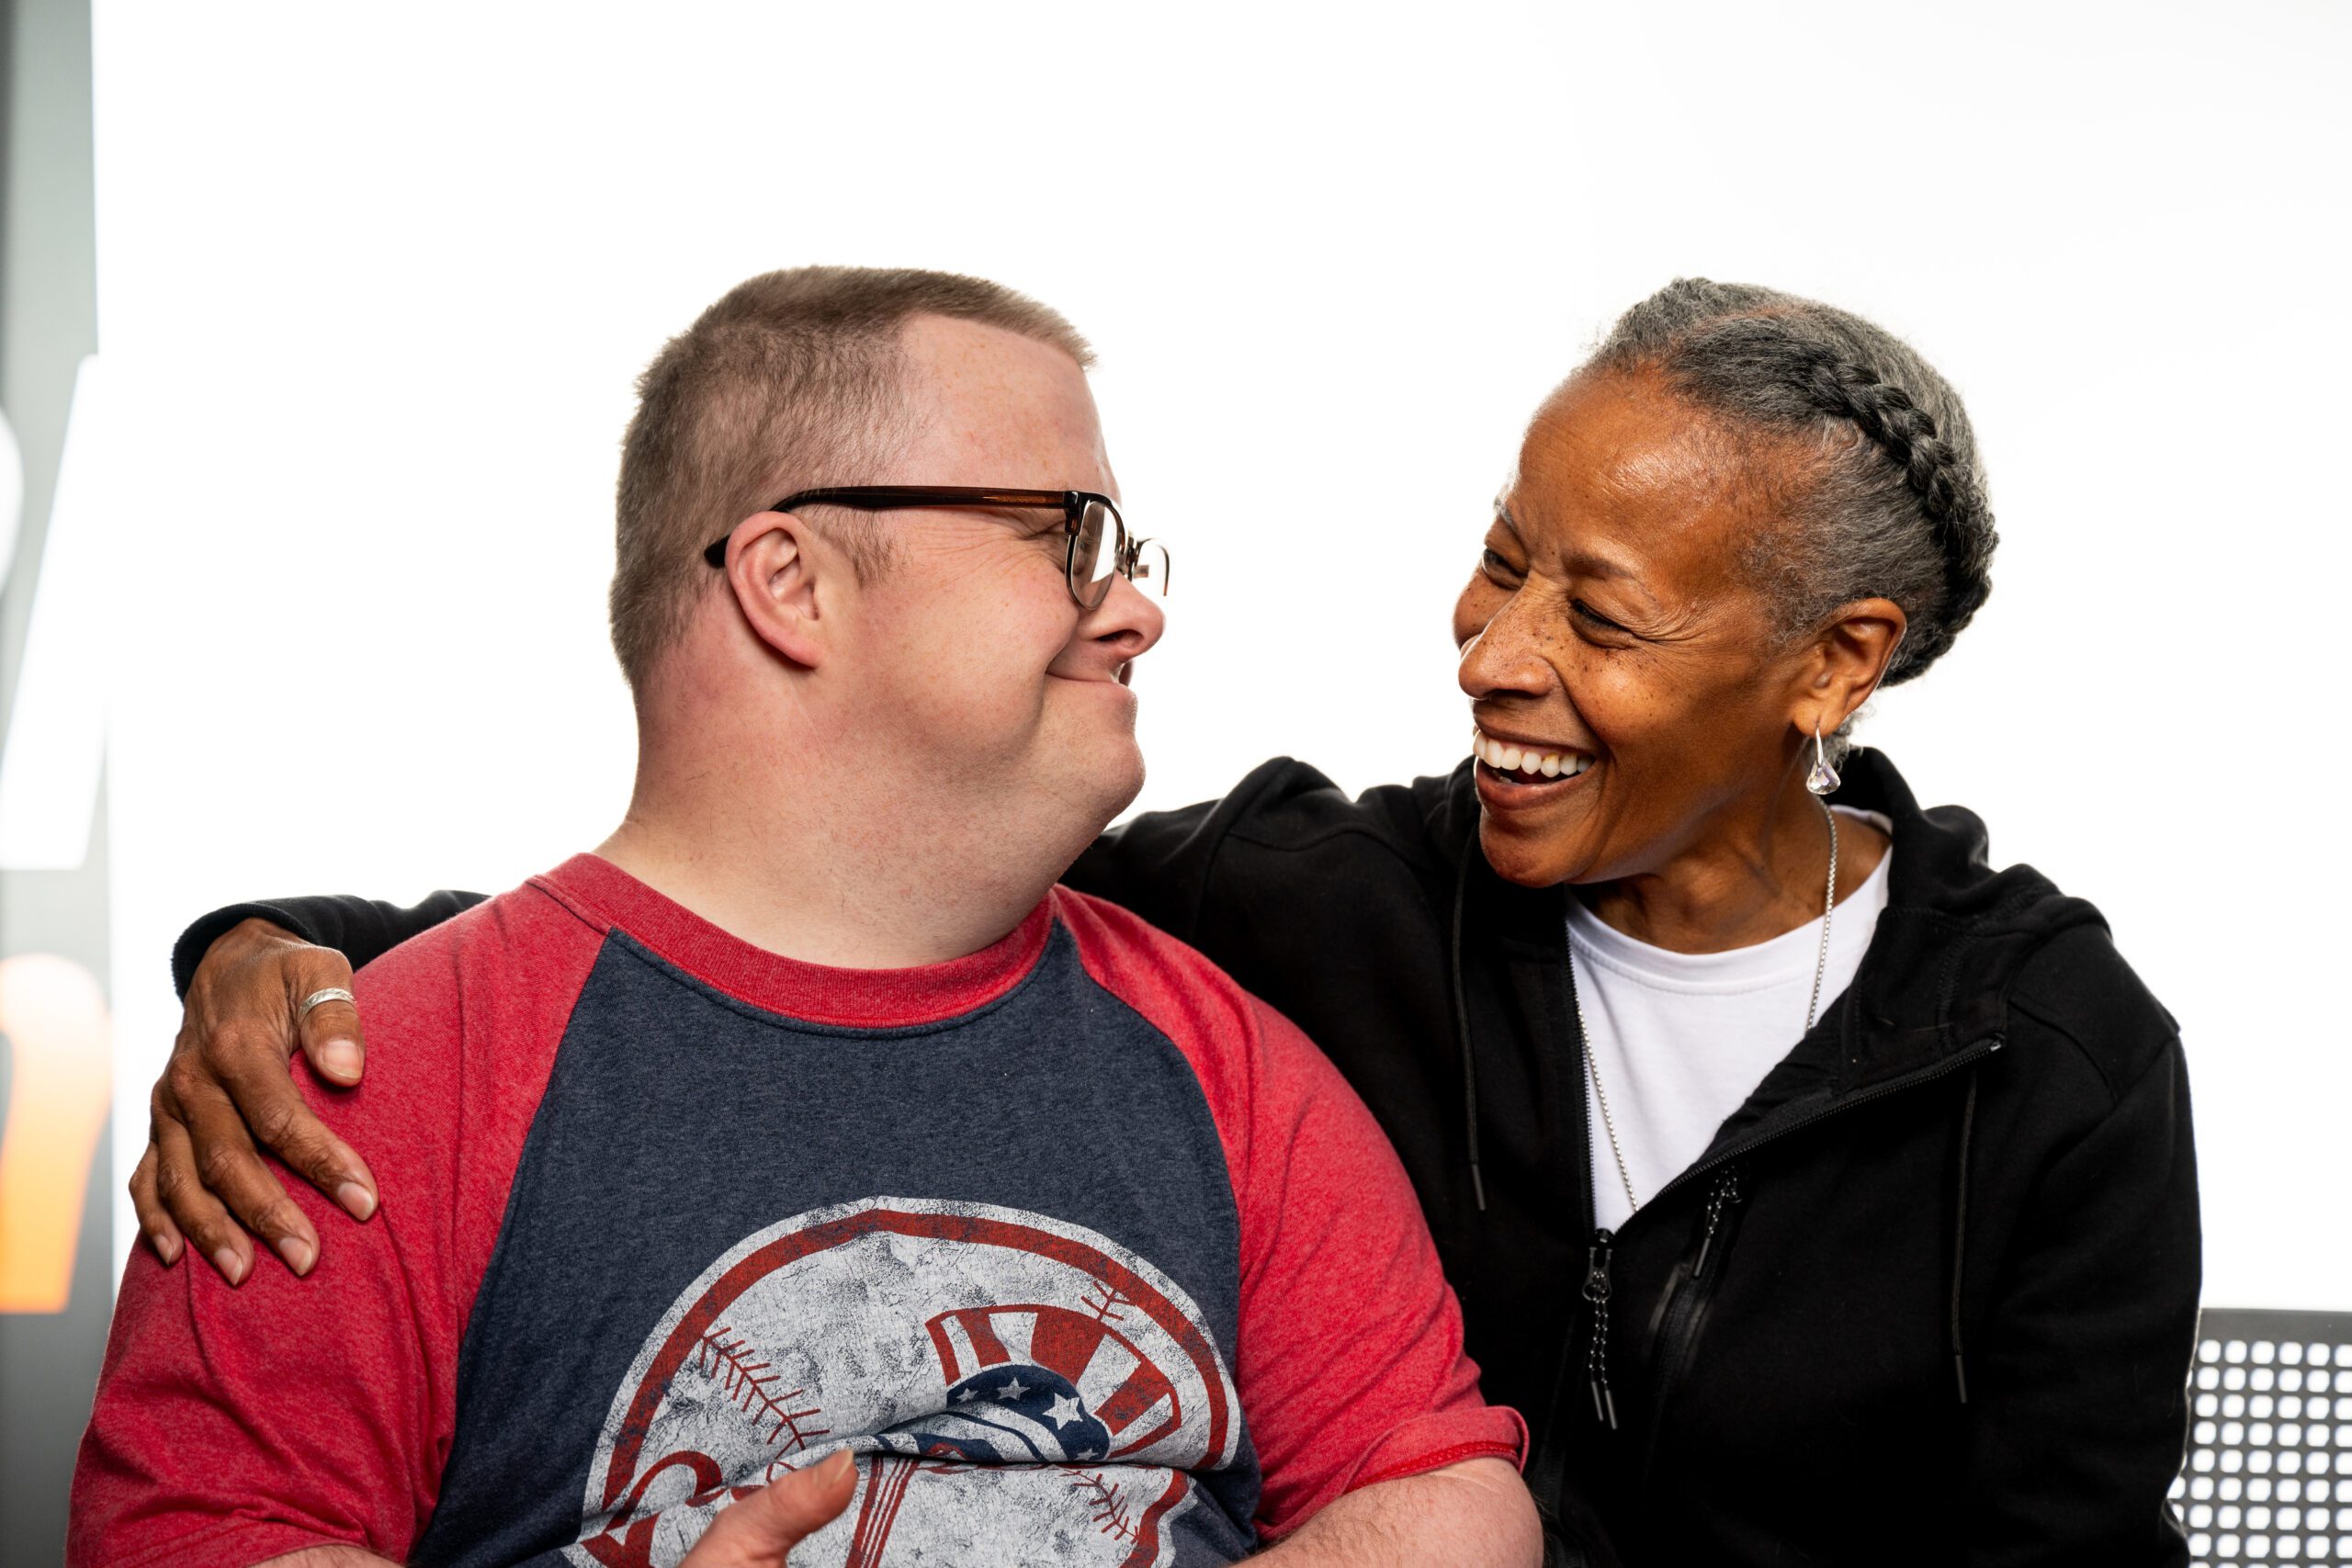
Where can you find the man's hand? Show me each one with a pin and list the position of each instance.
(227, 1084)
(761, 1529)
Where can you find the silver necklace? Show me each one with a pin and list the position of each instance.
(1584, 1030)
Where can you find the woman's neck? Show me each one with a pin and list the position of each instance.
(1760, 875)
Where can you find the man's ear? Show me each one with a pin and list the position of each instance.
(787, 582)
(1845, 662)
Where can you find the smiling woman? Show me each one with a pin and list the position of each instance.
(1820, 1193)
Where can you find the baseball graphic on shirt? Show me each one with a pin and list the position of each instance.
(1016, 1389)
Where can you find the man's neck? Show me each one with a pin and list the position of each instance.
(829, 886)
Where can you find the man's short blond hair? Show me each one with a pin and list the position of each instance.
(792, 380)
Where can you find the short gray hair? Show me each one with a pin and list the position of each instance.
(1896, 509)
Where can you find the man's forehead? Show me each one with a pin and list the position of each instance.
(964, 350)
(990, 397)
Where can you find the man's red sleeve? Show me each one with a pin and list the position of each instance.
(233, 1425)
(1351, 1368)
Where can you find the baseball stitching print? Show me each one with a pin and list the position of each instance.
(1017, 1389)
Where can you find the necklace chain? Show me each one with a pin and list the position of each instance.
(1584, 1030)
(1828, 907)
(1600, 1094)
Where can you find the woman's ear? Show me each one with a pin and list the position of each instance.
(1847, 661)
(787, 582)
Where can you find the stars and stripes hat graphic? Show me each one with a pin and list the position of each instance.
(1042, 1384)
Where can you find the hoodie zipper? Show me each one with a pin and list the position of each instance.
(1598, 1271)
(1719, 1202)
(1683, 1303)
(1595, 1359)
(1687, 1295)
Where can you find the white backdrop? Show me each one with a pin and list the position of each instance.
(373, 283)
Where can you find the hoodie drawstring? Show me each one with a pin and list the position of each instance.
(1960, 1233)
(1461, 1026)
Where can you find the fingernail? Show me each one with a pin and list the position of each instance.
(356, 1201)
(841, 1464)
(232, 1267)
(340, 1058)
(298, 1254)
(166, 1249)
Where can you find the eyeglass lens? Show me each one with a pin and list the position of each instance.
(1094, 553)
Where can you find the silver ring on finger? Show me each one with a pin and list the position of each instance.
(331, 993)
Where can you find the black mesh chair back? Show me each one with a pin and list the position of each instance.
(2269, 1473)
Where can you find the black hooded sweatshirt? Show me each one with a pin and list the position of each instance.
(1928, 1297)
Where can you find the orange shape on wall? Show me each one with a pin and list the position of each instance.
(60, 1038)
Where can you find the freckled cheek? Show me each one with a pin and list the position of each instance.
(1612, 701)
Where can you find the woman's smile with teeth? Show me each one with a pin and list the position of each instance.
(1528, 762)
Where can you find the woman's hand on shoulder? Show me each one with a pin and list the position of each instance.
(228, 1087)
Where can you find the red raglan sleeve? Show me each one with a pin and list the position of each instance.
(231, 1425)
(1351, 1370)
(234, 1424)
(1350, 1363)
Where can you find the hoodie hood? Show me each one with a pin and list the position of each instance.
(1954, 937)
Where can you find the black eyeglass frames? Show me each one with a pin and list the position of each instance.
(1099, 547)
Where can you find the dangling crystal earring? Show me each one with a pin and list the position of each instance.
(1823, 778)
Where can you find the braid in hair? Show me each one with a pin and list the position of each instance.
(1958, 517)
(1901, 515)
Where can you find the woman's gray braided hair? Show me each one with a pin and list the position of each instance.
(1899, 514)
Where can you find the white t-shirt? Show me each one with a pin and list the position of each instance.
(1682, 1039)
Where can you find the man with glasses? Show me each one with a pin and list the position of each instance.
(803, 1166)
